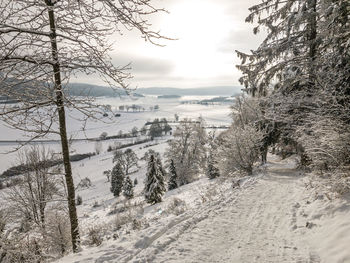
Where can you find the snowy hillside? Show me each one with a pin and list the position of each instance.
(267, 218)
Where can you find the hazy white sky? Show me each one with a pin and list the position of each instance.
(207, 32)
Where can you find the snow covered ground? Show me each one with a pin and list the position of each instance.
(271, 217)
(212, 114)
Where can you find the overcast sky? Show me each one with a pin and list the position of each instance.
(208, 33)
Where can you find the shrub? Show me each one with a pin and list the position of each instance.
(79, 200)
(239, 149)
(94, 236)
(177, 206)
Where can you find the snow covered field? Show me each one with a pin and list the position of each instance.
(213, 115)
(269, 218)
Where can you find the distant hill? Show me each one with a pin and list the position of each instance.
(82, 89)
(201, 91)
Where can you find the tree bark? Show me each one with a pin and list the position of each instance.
(312, 34)
(63, 131)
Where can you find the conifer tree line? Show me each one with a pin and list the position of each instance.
(300, 78)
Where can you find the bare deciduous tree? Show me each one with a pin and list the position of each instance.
(42, 43)
(127, 159)
(187, 150)
(39, 186)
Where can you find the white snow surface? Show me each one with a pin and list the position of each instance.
(270, 217)
(212, 114)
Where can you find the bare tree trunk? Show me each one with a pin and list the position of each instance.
(63, 132)
(312, 34)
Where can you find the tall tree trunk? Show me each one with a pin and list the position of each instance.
(63, 131)
(312, 34)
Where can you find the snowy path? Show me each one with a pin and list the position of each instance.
(259, 225)
(260, 222)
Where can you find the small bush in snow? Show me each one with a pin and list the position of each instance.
(84, 183)
(79, 200)
(107, 173)
(209, 194)
(94, 236)
(177, 206)
(121, 220)
(136, 224)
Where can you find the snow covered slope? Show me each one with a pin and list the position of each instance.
(270, 217)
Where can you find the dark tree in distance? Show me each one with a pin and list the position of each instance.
(117, 179)
(156, 129)
(172, 184)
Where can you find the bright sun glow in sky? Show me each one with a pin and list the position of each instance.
(207, 33)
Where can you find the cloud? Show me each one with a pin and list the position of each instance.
(144, 65)
(204, 53)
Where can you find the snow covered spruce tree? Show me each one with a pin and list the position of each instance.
(155, 181)
(128, 188)
(172, 184)
(288, 52)
(326, 134)
(117, 179)
(284, 67)
(187, 150)
(302, 70)
(44, 43)
(212, 169)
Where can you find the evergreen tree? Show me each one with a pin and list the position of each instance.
(289, 50)
(117, 179)
(212, 170)
(136, 182)
(173, 176)
(128, 188)
(154, 183)
(284, 68)
(302, 70)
